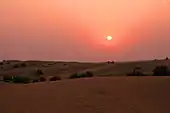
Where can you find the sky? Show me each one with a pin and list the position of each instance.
(76, 30)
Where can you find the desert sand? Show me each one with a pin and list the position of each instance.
(89, 95)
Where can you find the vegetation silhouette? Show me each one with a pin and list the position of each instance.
(161, 71)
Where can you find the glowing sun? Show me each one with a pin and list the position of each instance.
(109, 38)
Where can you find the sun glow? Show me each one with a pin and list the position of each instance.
(109, 38)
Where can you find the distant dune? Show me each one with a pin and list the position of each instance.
(89, 95)
(64, 69)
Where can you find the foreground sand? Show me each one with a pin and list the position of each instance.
(94, 95)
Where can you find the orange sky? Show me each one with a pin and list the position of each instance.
(76, 29)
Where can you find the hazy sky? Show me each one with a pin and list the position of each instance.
(76, 29)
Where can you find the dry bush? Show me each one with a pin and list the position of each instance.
(166, 58)
(81, 75)
(7, 78)
(137, 71)
(39, 72)
(161, 71)
(34, 81)
(42, 79)
(1, 63)
(88, 74)
(110, 62)
(16, 66)
(23, 65)
(55, 78)
(16, 79)
(19, 79)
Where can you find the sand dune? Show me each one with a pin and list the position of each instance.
(90, 95)
(65, 69)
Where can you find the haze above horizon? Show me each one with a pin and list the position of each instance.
(74, 30)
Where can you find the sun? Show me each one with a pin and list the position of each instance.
(109, 38)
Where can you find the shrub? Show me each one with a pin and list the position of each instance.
(16, 79)
(39, 72)
(55, 78)
(81, 75)
(113, 62)
(23, 65)
(136, 74)
(161, 71)
(42, 79)
(75, 75)
(16, 66)
(1, 63)
(166, 58)
(65, 64)
(8, 62)
(19, 79)
(137, 71)
(34, 81)
(108, 62)
(88, 74)
(7, 78)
